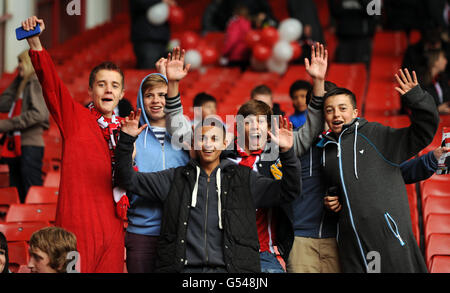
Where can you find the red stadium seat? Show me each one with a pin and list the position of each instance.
(9, 196)
(438, 244)
(52, 179)
(436, 205)
(31, 213)
(23, 269)
(21, 231)
(440, 264)
(4, 176)
(42, 195)
(437, 224)
(436, 188)
(18, 255)
(412, 199)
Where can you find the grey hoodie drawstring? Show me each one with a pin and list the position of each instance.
(354, 151)
(219, 191)
(310, 162)
(195, 191)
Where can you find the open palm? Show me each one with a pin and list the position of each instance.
(131, 124)
(317, 68)
(283, 134)
(175, 68)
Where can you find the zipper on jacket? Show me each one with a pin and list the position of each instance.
(206, 219)
(341, 173)
(396, 233)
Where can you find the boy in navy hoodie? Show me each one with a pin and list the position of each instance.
(362, 160)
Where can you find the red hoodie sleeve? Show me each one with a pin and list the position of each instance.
(57, 97)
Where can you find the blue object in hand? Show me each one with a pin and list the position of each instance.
(23, 34)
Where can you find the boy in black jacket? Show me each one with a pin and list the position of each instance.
(363, 160)
(209, 222)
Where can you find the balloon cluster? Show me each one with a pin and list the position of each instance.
(272, 49)
(198, 51)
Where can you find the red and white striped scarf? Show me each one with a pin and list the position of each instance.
(110, 128)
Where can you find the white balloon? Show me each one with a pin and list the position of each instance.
(283, 51)
(158, 13)
(290, 30)
(173, 43)
(194, 58)
(277, 66)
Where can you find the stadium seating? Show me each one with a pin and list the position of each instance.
(436, 205)
(438, 244)
(21, 231)
(52, 179)
(436, 188)
(42, 195)
(4, 176)
(440, 264)
(18, 255)
(437, 224)
(31, 213)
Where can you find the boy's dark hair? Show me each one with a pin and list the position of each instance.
(211, 121)
(4, 246)
(105, 66)
(329, 85)
(254, 107)
(203, 98)
(261, 90)
(341, 91)
(299, 85)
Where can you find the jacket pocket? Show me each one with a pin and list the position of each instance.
(392, 225)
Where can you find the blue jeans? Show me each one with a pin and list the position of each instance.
(270, 263)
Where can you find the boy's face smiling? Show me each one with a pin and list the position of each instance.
(256, 128)
(155, 101)
(107, 91)
(339, 111)
(210, 144)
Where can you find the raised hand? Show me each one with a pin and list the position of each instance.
(161, 66)
(317, 68)
(405, 81)
(131, 124)
(283, 134)
(31, 22)
(175, 68)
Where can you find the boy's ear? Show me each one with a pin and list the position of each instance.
(355, 113)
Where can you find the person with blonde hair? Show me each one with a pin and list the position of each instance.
(49, 251)
(22, 143)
